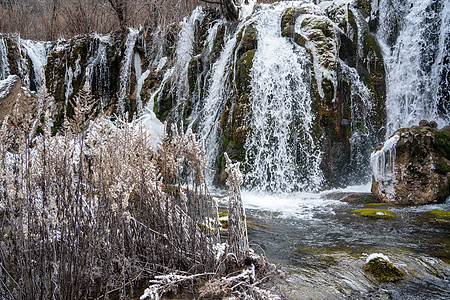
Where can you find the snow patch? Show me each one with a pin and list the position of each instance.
(7, 84)
(377, 255)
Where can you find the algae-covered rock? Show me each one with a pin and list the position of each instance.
(412, 166)
(375, 213)
(442, 214)
(383, 270)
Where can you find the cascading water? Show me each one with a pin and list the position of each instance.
(99, 77)
(416, 46)
(4, 64)
(211, 110)
(125, 69)
(37, 52)
(69, 77)
(281, 151)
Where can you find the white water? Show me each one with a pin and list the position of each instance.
(281, 151)
(184, 52)
(70, 76)
(4, 64)
(125, 69)
(99, 78)
(7, 84)
(416, 60)
(37, 52)
(216, 96)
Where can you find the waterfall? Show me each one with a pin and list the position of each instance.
(99, 78)
(69, 77)
(415, 39)
(281, 151)
(4, 64)
(184, 52)
(37, 53)
(211, 111)
(125, 69)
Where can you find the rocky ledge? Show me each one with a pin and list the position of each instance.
(413, 166)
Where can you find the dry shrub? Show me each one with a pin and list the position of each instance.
(98, 207)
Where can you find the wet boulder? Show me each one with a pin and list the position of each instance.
(413, 166)
(382, 269)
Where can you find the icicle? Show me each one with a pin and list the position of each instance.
(383, 166)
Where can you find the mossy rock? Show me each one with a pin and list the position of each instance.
(442, 142)
(247, 39)
(219, 41)
(384, 271)
(288, 22)
(442, 167)
(244, 66)
(375, 213)
(365, 7)
(442, 214)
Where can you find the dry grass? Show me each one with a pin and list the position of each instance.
(94, 209)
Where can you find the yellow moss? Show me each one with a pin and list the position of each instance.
(375, 213)
(442, 214)
(383, 271)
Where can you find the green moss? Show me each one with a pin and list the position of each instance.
(223, 213)
(375, 213)
(244, 66)
(365, 7)
(442, 142)
(442, 167)
(288, 22)
(443, 214)
(384, 271)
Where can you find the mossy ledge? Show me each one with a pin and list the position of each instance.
(384, 271)
(375, 213)
(442, 214)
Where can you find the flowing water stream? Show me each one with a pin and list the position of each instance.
(320, 245)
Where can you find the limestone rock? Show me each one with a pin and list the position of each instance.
(413, 166)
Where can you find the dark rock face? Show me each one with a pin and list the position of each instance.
(413, 167)
(350, 115)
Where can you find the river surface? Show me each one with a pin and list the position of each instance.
(320, 245)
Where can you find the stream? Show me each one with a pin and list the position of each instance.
(320, 245)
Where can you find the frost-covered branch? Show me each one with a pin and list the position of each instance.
(237, 225)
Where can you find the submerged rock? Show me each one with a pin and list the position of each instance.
(413, 166)
(382, 269)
